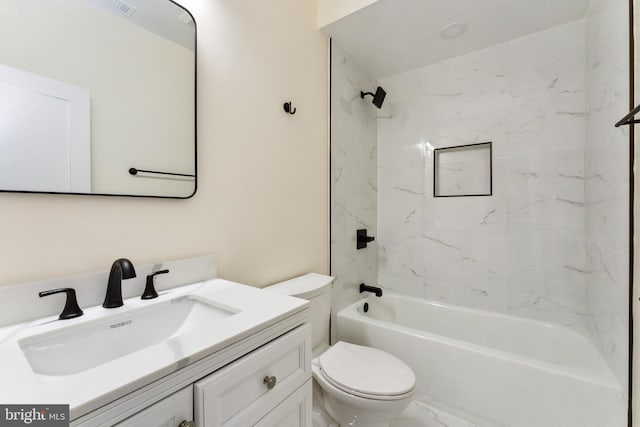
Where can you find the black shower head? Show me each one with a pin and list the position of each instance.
(378, 97)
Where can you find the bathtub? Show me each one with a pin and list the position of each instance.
(496, 369)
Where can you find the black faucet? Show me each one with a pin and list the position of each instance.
(376, 290)
(121, 269)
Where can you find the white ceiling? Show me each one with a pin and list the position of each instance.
(393, 36)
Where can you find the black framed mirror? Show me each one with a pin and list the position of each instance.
(98, 97)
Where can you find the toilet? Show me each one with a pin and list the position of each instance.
(353, 385)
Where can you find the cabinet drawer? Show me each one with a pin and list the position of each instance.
(169, 412)
(295, 411)
(237, 394)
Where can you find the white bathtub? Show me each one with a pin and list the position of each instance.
(498, 370)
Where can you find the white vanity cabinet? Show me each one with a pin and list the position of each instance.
(270, 386)
(293, 412)
(200, 351)
(173, 411)
(262, 388)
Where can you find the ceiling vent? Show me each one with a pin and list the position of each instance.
(125, 8)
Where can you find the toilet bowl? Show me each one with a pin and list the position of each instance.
(361, 385)
(353, 385)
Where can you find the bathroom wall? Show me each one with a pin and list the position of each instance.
(607, 181)
(262, 201)
(522, 250)
(70, 57)
(354, 159)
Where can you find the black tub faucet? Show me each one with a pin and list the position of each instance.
(121, 269)
(376, 290)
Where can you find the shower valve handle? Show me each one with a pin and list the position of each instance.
(362, 239)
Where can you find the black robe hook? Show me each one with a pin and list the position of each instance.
(288, 108)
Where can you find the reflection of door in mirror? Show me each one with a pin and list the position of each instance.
(133, 62)
(52, 154)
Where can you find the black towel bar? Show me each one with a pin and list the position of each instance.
(134, 171)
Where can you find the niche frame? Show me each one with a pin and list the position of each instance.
(462, 147)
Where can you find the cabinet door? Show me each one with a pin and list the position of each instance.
(295, 411)
(169, 412)
(240, 394)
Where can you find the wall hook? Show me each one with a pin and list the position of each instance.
(288, 108)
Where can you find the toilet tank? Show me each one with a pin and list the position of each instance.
(315, 288)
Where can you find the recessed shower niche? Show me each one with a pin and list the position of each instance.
(464, 170)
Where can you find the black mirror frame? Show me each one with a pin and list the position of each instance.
(195, 135)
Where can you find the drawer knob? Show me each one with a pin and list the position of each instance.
(186, 423)
(270, 382)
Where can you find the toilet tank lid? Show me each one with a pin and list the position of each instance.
(305, 287)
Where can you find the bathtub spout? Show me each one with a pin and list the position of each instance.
(376, 290)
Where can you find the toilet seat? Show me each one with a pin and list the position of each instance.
(366, 372)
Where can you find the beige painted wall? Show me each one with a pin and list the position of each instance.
(331, 10)
(262, 202)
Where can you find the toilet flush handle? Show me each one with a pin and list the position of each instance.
(270, 382)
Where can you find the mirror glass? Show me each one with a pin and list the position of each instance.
(97, 97)
(465, 170)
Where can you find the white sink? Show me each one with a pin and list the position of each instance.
(83, 346)
(106, 354)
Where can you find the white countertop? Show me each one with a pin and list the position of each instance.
(88, 390)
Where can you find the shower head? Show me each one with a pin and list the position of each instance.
(378, 97)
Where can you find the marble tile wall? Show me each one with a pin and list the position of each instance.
(607, 181)
(354, 160)
(521, 251)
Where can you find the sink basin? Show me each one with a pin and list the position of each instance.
(84, 346)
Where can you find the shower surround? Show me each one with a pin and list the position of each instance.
(354, 159)
(522, 250)
(551, 243)
(607, 181)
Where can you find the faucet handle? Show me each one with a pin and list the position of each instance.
(149, 289)
(362, 239)
(71, 307)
